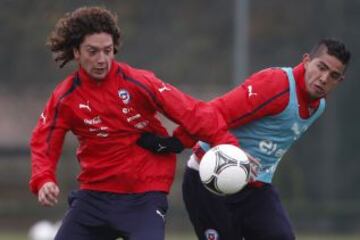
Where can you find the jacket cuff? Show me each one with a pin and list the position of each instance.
(38, 182)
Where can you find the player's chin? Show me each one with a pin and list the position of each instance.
(317, 94)
(99, 76)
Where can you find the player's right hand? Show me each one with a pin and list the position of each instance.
(254, 167)
(48, 194)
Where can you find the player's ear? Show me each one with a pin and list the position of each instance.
(76, 53)
(306, 59)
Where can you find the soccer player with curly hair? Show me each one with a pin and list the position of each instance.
(107, 105)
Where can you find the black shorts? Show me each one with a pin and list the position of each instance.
(96, 215)
(254, 213)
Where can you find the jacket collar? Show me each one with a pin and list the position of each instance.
(299, 75)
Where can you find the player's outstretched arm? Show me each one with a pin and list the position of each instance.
(199, 119)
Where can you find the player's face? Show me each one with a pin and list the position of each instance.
(322, 73)
(95, 54)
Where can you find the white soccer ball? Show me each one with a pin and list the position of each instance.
(224, 169)
(43, 230)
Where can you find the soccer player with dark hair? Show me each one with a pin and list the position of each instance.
(267, 113)
(107, 105)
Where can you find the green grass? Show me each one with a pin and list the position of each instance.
(22, 236)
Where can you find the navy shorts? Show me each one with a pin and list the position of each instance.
(255, 213)
(96, 215)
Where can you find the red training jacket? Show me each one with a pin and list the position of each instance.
(107, 117)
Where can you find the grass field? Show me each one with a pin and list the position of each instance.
(22, 236)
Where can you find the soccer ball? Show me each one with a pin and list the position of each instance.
(43, 230)
(224, 169)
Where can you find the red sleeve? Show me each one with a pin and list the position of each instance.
(262, 94)
(201, 120)
(46, 143)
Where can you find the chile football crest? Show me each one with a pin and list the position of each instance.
(211, 234)
(124, 96)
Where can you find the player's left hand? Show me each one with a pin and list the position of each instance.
(48, 194)
(159, 144)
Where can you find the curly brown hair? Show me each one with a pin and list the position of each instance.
(70, 31)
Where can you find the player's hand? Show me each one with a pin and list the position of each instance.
(158, 144)
(254, 167)
(48, 194)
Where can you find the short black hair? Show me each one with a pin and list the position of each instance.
(334, 48)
